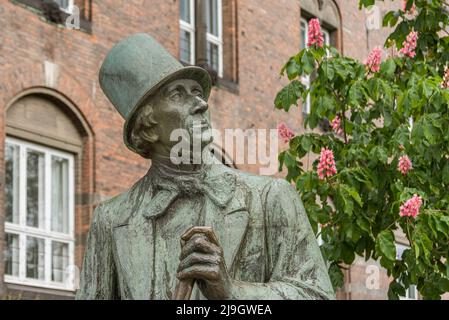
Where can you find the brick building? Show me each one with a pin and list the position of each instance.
(61, 145)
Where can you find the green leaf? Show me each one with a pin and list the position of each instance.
(365, 3)
(395, 290)
(354, 194)
(445, 173)
(328, 70)
(308, 62)
(443, 285)
(347, 253)
(293, 69)
(427, 89)
(385, 245)
(306, 143)
(289, 95)
(336, 276)
(379, 153)
(423, 245)
(356, 94)
(430, 132)
(388, 67)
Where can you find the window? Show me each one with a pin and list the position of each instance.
(39, 211)
(187, 32)
(57, 11)
(214, 37)
(303, 44)
(65, 5)
(411, 293)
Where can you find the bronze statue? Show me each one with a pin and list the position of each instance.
(225, 233)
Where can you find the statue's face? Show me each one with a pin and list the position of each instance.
(181, 105)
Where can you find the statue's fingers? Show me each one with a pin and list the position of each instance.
(208, 231)
(205, 272)
(199, 243)
(198, 258)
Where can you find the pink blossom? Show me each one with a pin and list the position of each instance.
(404, 165)
(404, 7)
(315, 35)
(374, 59)
(336, 125)
(445, 83)
(411, 207)
(409, 45)
(285, 132)
(326, 166)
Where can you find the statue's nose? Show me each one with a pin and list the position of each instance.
(199, 106)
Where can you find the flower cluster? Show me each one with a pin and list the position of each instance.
(409, 45)
(326, 166)
(374, 59)
(285, 132)
(411, 207)
(404, 165)
(445, 83)
(315, 36)
(336, 125)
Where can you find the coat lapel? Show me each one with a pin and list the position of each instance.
(134, 243)
(230, 225)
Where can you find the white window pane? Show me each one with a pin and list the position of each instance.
(35, 258)
(63, 4)
(412, 292)
(185, 10)
(303, 40)
(35, 189)
(212, 17)
(60, 194)
(59, 261)
(212, 55)
(12, 183)
(11, 254)
(185, 46)
(326, 37)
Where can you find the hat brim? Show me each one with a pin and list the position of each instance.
(194, 73)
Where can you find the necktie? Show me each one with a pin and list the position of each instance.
(167, 188)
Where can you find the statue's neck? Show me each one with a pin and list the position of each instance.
(166, 164)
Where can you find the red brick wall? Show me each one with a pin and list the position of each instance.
(267, 34)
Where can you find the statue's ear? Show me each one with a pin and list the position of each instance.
(149, 134)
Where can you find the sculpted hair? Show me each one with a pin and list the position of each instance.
(143, 135)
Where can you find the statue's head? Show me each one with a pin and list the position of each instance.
(178, 105)
(155, 94)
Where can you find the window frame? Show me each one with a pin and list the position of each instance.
(190, 28)
(23, 231)
(305, 80)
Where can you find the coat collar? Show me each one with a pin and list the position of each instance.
(133, 233)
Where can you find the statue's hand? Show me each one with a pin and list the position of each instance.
(202, 260)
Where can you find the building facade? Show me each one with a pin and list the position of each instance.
(61, 146)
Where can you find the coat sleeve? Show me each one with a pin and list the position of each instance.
(295, 268)
(98, 279)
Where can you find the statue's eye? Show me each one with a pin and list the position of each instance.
(198, 93)
(175, 95)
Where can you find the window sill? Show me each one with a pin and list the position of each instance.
(35, 6)
(38, 286)
(229, 85)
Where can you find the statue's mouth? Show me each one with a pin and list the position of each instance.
(202, 124)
